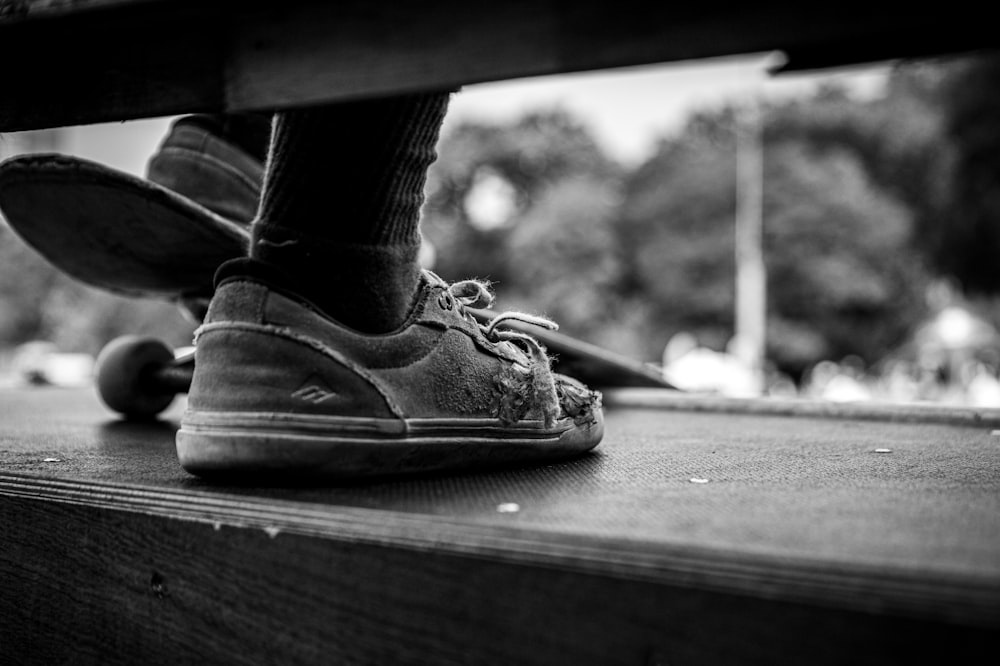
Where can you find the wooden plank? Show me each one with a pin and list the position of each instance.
(141, 59)
(104, 66)
(953, 598)
(803, 489)
(12, 11)
(447, 44)
(805, 547)
(984, 417)
(94, 575)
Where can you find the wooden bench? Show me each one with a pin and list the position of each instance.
(82, 61)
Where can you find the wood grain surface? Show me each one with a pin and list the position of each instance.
(89, 584)
(804, 547)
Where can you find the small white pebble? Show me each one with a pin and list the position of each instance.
(996, 433)
(508, 507)
(52, 460)
(883, 450)
(216, 526)
(697, 480)
(272, 531)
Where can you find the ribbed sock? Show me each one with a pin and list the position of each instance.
(340, 209)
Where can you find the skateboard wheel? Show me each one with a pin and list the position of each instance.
(125, 376)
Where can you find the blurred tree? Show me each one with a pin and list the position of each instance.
(842, 277)
(489, 176)
(932, 142)
(569, 264)
(897, 137)
(37, 302)
(968, 243)
(677, 234)
(24, 280)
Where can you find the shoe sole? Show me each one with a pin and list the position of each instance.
(276, 446)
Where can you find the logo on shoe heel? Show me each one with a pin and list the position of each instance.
(314, 390)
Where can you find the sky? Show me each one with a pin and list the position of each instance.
(627, 109)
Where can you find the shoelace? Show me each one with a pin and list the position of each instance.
(475, 294)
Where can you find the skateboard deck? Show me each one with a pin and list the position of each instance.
(130, 236)
(115, 231)
(590, 363)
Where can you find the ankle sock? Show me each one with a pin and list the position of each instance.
(340, 208)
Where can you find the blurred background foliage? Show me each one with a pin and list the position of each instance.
(866, 205)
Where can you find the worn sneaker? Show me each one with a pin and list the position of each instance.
(204, 166)
(280, 389)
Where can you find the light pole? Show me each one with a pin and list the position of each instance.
(751, 276)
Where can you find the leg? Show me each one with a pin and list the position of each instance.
(341, 204)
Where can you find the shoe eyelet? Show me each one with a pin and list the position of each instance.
(445, 301)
